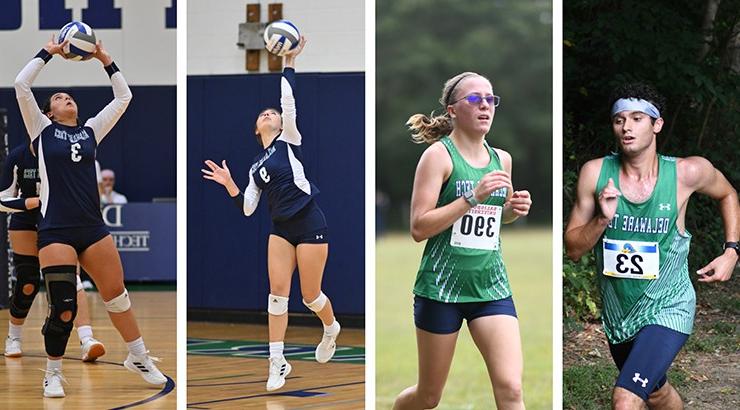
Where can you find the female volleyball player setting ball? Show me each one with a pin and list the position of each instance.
(462, 192)
(299, 233)
(71, 227)
(20, 176)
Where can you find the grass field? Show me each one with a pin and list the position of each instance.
(528, 257)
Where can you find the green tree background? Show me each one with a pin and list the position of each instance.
(422, 43)
(690, 51)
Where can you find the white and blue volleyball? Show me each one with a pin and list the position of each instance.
(81, 40)
(281, 36)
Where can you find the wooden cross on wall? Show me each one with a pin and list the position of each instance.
(252, 61)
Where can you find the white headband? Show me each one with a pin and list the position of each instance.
(634, 104)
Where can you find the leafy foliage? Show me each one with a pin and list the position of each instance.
(420, 44)
(607, 43)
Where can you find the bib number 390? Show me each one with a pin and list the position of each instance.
(75, 148)
(478, 228)
(631, 259)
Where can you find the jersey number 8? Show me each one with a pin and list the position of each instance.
(263, 175)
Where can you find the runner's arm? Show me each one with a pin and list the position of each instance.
(586, 224)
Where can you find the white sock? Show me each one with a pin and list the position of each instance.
(53, 364)
(137, 347)
(332, 329)
(14, 331)
(276, 350)
(85, 333)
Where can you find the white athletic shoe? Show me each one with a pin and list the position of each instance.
(53, 383)
(144, 366)
(91, 350)
(279, 369)
(13, 347)
(325, 350)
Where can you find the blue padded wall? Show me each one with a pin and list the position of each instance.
(227, 252)
(141, 148)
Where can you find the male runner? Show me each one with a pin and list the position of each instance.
(630, 208)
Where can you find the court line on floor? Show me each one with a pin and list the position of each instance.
(166, 389)
(272, 394)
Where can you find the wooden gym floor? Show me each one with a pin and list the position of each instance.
(105, 384)
(227, 368)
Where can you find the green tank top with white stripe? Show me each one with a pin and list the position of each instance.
(642, 259)
(463, 263)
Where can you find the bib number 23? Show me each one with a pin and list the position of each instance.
(631, 259)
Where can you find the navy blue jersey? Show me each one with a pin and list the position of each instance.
(278, 169)
(19, 179)
(66, 154)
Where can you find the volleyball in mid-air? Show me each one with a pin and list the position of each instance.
(281, 36)
(81, 40)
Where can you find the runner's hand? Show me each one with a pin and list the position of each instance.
(491, 182)
(608, 198)
(520, 203)
(720, 269)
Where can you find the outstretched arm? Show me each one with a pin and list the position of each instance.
(33, 118)
(290, 132)
(109, 116)
(248, 201)
(699, 175)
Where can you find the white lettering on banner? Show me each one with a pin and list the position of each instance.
(131, 241)
(117, 220)
(123, 25)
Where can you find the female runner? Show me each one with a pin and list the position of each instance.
(299, 233)
(462, 192)
(20, 176)
(71, 227)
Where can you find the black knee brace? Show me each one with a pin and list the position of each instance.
(26, 273)
(61, 292)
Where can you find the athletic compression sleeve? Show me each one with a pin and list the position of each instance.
(290, 132)
(248, 201)
(33, 118)
(9, 200)
(109, 116)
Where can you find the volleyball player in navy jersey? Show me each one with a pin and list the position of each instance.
(71, 227)
(299, 232)
(19, 197)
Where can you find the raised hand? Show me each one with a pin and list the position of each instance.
(53, 48)
(491, 182)
(101, 54)
(608, 198)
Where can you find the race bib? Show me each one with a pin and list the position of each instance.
(631, 259)
(478, 228)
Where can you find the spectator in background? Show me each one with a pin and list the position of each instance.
(108, 196)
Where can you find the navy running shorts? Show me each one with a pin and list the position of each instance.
(24, 221)
(445, 318)
(80, 238)
(306, 226)
(644, 361)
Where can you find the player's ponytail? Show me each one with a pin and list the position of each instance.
(431, 128)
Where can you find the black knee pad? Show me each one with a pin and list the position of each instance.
(61, 292)
(26, 273)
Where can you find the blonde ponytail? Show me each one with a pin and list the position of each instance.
(431, 128)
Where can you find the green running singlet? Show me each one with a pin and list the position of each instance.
(463, 263)
(642, 259)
